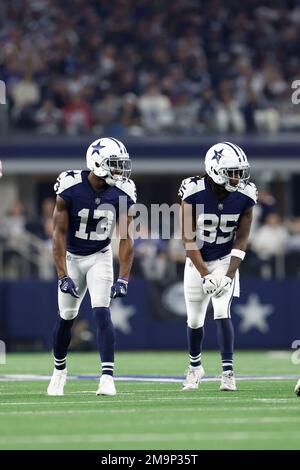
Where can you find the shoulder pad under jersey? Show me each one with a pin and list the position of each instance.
(251, 191)
(66, 180)
(128, 187)
(190, 186)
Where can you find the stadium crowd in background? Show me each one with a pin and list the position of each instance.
(127, 67)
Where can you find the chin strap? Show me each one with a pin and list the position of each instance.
(109, 180)
(231, 189)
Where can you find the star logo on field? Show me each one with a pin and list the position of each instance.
(218, 155)
(97, 148)
(254, 314)
(120, 315)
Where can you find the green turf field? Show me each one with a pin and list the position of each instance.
(263, 414)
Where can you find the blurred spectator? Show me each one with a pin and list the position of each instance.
(26, 92)
(271, 238)
(269, 242)
(106, 112)
(266, 205)
(47, 208)
(41, 225)
(228, 116)
(207, 110)
(48, 118)
(267, 120)
(156, 110)
(130, 116)
(12, 228)
(77, 116)
(26, 96)
(13, 224)
(185, 114)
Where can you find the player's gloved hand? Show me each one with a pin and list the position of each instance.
(67, 286)
(119, 288)
(210, 284)
(223, 287)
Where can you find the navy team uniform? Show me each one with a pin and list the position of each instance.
(216, 225)
(86, 208)
(92, 216)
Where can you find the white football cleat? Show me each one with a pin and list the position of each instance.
(57, 383)
(228, 381)
(106, 385)
(193, 378)
(297, 388)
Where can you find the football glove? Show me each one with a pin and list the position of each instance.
(224, 285)
(210, 284)
(119, 288)
(67, 286)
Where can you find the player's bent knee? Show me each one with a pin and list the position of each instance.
(68, 314)
(102, 301)
(195, 324)
(220, 315)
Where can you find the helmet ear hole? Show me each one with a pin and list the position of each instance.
(97, 164)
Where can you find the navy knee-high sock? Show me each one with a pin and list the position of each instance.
(105, 338)
(226, 341)
(61, 341)
(195, 339)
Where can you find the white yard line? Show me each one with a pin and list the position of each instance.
(146, 437)
(185, 421)
(158, 379)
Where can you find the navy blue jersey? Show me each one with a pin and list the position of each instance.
(217, 221)
(92, 214)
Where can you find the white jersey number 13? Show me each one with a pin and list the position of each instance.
(103, 226)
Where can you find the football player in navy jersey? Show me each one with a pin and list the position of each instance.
(88, 203)
(216, 219)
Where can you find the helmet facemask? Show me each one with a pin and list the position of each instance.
(116, 169)
(241, 174)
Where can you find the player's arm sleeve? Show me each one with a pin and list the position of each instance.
(129, 188)
(252, 195)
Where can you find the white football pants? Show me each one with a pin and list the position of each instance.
(197, 301)
(93, 272)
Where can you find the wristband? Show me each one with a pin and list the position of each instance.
(238, 253)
